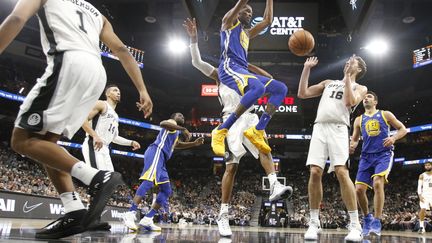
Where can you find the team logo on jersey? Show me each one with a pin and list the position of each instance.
(34, 119)
(244, 40)
(372, 127)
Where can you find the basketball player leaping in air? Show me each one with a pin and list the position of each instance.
(233, 72)
(235, 138)
(376, 158)
(424, 192)
(103, 130)
(63, 97)
(330, 138)
(155, 173)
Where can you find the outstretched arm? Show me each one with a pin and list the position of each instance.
(197, 62)
(267, 20)
(16, 20)
(185, 145)
(171, 125)
(126, 142)
(231, 16)
(119, 49)
(304, 91)
(395, 123)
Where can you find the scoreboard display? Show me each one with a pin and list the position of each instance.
(422, 56)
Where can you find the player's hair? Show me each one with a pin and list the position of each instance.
(362, 66)
(109, 86)
(175, 114)
(373, 94)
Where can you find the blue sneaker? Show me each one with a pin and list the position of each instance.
(375, 227)
(367, 220)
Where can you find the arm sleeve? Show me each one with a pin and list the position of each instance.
(419, 187)
(122, 141)
(204, 67)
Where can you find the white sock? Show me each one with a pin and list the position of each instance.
(422, 224)
(354, 218)
(71, 202)
(272, 178)
(83, 172)
(314, 214)
(224, 208)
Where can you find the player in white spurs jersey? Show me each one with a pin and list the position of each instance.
(62, 99)
(101, 132)
(330, 138)
(235, 138)
(424, 191)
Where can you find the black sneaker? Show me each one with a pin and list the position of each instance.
(69, 224)
(99, 226)
(101, 187)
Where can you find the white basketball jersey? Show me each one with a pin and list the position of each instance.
(106, 125)
(70, 25)
(331, 108)
(427, 185)
(229, 99)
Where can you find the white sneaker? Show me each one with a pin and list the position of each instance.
(129, 220)
(313, 230)
(223, 225)
(421, 230)
(148, 224)
(355, 233)
(278, 191)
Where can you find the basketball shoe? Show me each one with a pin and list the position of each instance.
(313, 230)
(218, 141)
(69, 224)
(355, 233)
(103, 184)
(129, 220)
(375, 227)
(278, 191)
(223, 225)
(257, 138)
(367, 224)
(148, 224)
(421, 230)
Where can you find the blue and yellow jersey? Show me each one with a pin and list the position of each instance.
(374, 129)
(234, 46)
(165, 141)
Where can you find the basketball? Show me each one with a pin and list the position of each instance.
(301, 43)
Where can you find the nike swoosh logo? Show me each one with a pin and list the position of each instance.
(27, 209)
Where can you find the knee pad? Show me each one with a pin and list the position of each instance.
(277, 91)
(164, 193)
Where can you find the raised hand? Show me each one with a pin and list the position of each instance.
(311, 62)
(145, 104)
(190, 27)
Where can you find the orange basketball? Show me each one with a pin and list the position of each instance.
(301, 43)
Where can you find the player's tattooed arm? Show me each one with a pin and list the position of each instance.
(356, 135)
(231, 16)
(305, 91)
(185, 145)
(267, 20)
(398, 125)
(99, 108)
(16, 20)
(259, 71)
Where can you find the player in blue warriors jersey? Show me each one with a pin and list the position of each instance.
(233, 72)
(155, 172)
(376, 158)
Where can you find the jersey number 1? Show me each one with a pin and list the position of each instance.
(81, 26)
